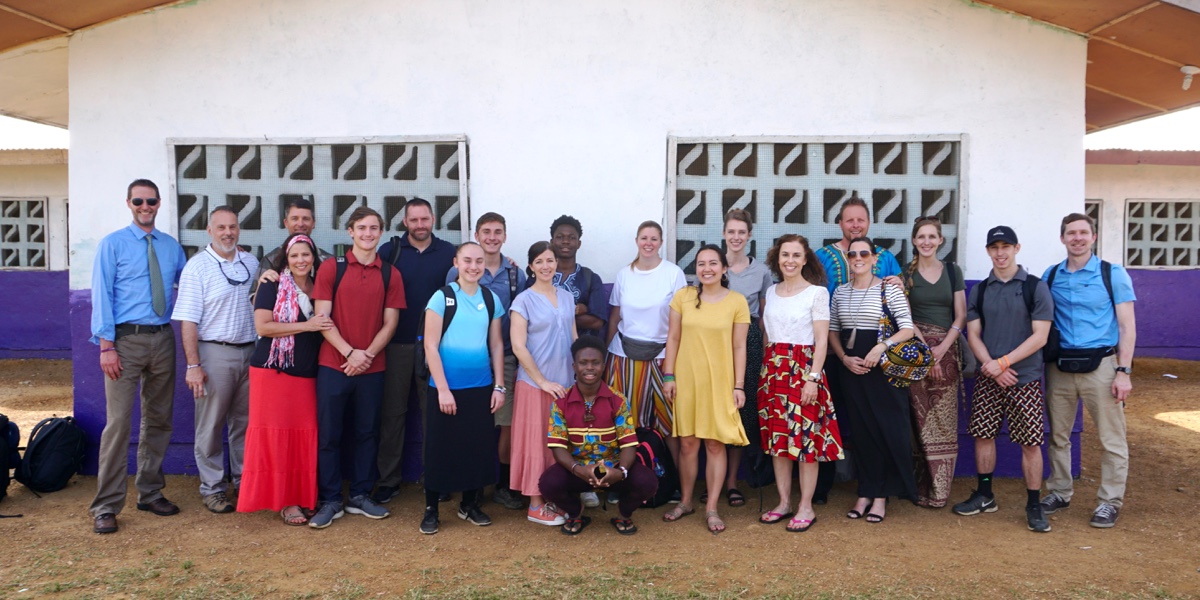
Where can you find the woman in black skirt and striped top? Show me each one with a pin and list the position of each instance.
(881, 447)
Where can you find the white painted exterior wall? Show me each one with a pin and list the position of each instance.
(568, 105)
(40, 174)
(1115, 185)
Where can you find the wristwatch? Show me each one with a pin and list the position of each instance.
(500, 389)
(1125, 370)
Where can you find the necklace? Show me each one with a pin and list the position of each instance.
(866, 292)
(588, 417)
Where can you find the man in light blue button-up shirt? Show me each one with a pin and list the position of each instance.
(131, 314)
(1091, 324)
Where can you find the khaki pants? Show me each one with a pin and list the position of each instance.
(148, 361)
(1062, 404)
(226, 404)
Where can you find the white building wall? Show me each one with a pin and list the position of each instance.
(41, 174)
(568, 105)
(1115, 185)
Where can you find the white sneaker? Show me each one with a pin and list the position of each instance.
(546, 514)
(590, 499)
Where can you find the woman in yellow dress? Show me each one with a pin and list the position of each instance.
(703, 377)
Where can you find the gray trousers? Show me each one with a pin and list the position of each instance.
(226, 403)
(393, 414)
(148, 361)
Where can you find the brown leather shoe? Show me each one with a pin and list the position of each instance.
(105, 523)
(160, 506)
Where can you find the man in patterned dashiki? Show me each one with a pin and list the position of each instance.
(594, 445)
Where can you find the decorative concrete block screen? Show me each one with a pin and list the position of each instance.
(23, 224)
(337, 176)
(1094, 209)
(1162, 233)
(798, 185)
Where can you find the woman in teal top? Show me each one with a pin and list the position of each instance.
(465, 364)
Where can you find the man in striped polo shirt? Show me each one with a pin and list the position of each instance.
(217, 323)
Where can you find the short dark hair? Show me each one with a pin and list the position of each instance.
(1071, 218)
(140, 182)
(588, 341)
(852, 201)
(361, 213)
(222, 208)
(566, 220)
(417, 201)
(864, 239)
(490, 217)
(300, 203)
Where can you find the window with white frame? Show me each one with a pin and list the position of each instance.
(1162, 233)
(798, 185)
(259, 179)
(24, 233)
(1094, 209)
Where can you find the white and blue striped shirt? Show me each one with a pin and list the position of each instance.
(208, 297)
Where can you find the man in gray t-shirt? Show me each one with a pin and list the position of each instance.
(1008, 319)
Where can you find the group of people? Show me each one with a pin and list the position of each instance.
(531, 379)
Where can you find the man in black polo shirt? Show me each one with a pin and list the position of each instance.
(423, 260)
(1008, 318)
(298, 217)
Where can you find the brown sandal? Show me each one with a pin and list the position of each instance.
(715, 524)
(680, 511)
(293, 515)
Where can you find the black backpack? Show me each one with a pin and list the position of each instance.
(10, 457)
(420, 364)
(1053, 347)
(653, 454)
(55, 453)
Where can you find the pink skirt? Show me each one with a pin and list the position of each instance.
(531, 424)
(281, 443)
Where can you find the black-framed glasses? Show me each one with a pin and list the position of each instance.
(857, 253)
(149, 201)
(231, 281)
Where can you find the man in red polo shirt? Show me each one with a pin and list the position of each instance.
(364, 303)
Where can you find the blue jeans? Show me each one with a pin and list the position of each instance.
(335, 394)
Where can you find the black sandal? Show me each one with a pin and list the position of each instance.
(568, 528)
(623, 526)
(735, 497)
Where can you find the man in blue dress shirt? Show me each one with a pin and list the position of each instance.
(1102, 330)
(136, 267)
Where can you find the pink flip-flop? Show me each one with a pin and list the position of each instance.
(771, 517)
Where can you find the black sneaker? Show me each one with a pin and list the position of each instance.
(473, 515)
(384, 494)
(976, 504)
(1105, 516)
(508, 499)
(1036, 515)
(429, 523)
(1053, 503)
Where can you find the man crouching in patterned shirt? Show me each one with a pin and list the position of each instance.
(594, 445)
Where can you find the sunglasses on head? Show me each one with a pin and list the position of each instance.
(139, 201)
(857, 253)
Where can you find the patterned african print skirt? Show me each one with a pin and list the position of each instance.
(935, 420)
(802, 432)
(641, 382)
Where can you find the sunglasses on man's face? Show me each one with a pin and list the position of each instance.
(857, 253)
(139, 201)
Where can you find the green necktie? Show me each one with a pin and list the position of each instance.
(157, 294)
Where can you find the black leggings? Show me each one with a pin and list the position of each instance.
(469, 498)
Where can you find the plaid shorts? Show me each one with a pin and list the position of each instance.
(1023, 404)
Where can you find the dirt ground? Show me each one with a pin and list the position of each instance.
(1154, 552)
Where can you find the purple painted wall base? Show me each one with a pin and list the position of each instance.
(1163, 330)
(35, 318)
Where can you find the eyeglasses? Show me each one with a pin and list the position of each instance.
(149, 201)
(232, 282)
(857, 253)
(926, 218)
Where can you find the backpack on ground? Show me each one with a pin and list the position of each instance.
(54, 454)
(653, 454)
(10, 457)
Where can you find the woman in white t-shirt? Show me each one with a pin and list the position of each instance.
(795, 412)
(637, 332)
